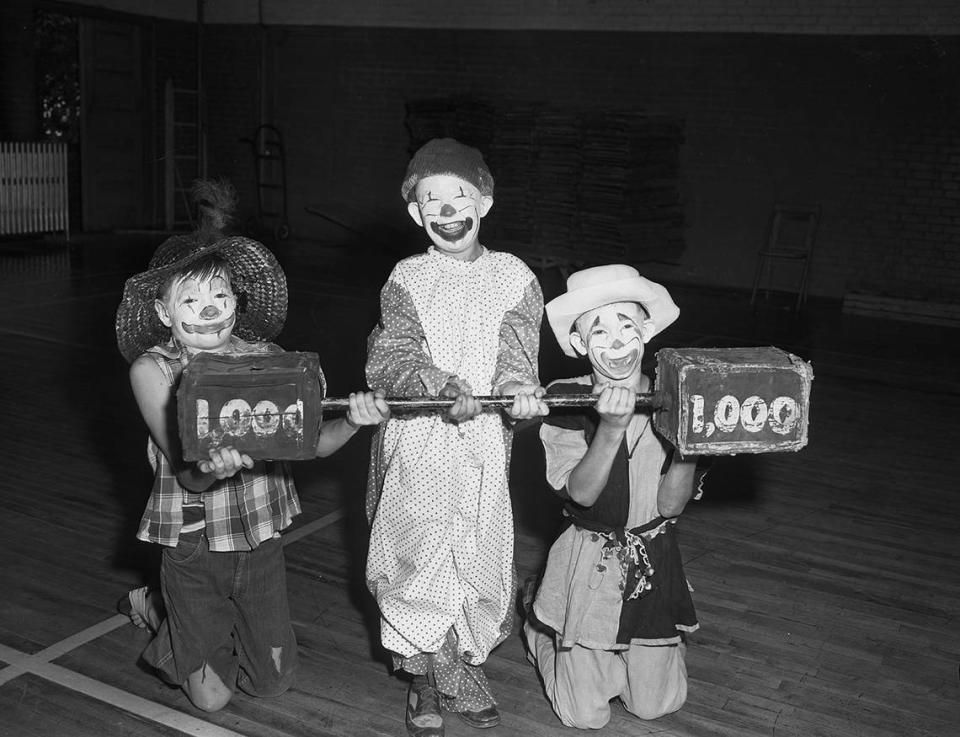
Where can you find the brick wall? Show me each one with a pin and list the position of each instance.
(19, 107)
(819, 17)
(233, 82)
(910, 244)
(866, 127)
(231, 69)
(174, 55)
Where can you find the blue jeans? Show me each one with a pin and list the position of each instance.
(228, 610)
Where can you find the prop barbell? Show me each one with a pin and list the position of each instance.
(706, 401)
(487, 401)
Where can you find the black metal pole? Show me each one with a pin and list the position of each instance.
(649, 399)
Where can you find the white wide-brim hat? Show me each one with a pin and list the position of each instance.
(604, 285)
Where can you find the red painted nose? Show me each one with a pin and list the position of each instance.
(209, 312)
(447, 211)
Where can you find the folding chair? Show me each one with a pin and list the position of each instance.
(790, 237)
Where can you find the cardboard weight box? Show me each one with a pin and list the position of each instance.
(724, 401)
(267, 405)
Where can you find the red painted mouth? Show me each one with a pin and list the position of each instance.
(209, 328)
(454, 231)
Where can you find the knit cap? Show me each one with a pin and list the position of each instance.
(447, 156)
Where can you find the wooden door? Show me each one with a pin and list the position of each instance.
(112, 115)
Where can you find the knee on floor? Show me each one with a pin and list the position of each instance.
(583, 718)
(209, 700)
(655, 710)
(206, 691)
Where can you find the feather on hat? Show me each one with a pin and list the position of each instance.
(255, 275)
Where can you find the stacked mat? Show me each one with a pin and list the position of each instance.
(572, 188)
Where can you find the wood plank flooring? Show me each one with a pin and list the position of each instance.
(827, 581)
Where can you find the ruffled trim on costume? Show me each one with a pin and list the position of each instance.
(455, 265)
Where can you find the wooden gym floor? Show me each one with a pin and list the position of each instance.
(827, 581)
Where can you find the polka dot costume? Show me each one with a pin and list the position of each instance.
(441, 543)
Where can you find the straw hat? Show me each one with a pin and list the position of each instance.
(604, 285)
(257, 279)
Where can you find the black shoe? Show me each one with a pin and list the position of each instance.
(483, 719)
(424, 718)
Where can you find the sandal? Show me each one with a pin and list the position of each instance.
(424, 718)
(135, 606)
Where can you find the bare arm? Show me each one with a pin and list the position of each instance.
(677, 486)
(157, 402)
(616, 407)
(366, 408)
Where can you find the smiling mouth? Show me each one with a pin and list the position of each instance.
(453, 231)
(209, 328)
(621, 363)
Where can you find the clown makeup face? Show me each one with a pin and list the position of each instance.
(200, 312)
(449, 209)
(612, 337)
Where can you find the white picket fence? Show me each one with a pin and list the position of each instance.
(33, 188)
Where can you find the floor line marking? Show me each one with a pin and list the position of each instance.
(19, 663)
(57, 649)
(131, 703)
(318, 524)
(83, 637)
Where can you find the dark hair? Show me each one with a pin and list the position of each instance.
(201, 270)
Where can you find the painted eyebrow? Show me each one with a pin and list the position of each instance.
(626, 317)
(596, 321)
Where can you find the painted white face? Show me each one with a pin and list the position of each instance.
(200, 313)
(449, 209)
(613, 338)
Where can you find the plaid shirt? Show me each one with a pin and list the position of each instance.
(241, 511)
